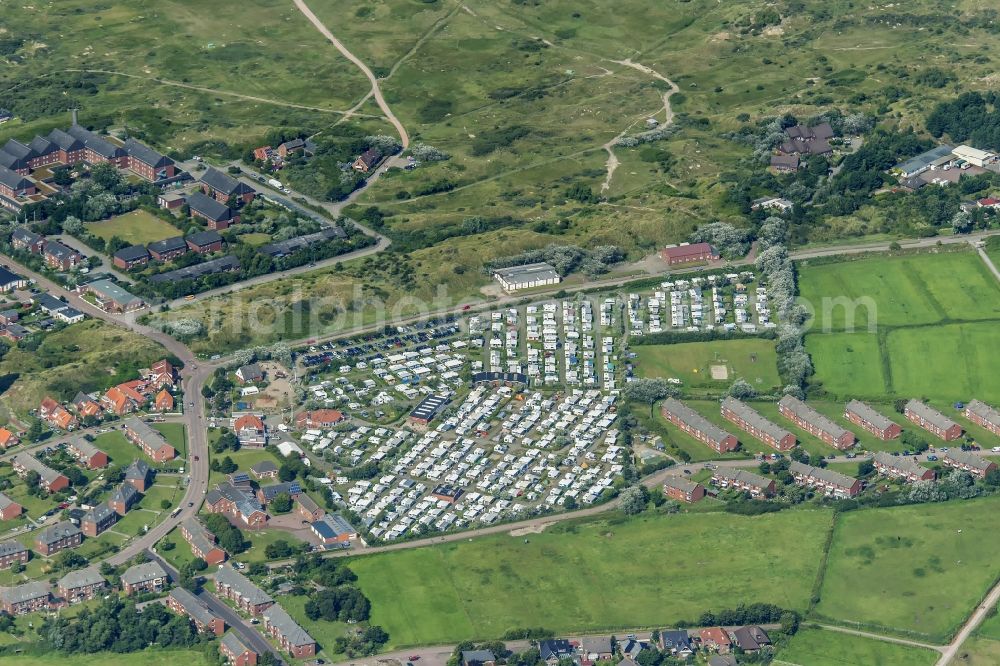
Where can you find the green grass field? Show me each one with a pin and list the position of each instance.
(978, 651)
(899, 291)
(752, 360)
(933, 332)
(593, 575)
(917, 569)
(138, 227)
(175, 435)
(153, 655)
(820, 647)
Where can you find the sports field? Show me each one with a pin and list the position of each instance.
(820, 647)
(915, 570)
(692, 362)
(651, 571)
(138, 228)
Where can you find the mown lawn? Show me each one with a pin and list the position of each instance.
(752, 360)
(916, 570)
(848, 364)
(820, 647)
(138, 227)
(175, 436)
(603, 574)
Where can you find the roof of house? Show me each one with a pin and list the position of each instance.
(13, 180)
(7, 277)
(83, 447)
(264, 467)
(278, 617)
(18, 149)
(234, 644)
(986, 412)
(192, 605)
(220, 265)
(742, 476)
(201, 539)
(208, 207)
(65, 141)
(57, 532)
(81, 578)
(6, 501)
(680, 483)
(137, 469)
(929, 414)
(527, 273)
(370, 157)
(968, 459)
(42, 146)
(695, 420)
(224, 183)
(596, 644)
(750, 638)
(554, 648)
(904, 464)
(716, 635)
(306, 502)
(109, 290)
(275, 489)
(31, 463)
(823, 474)
(251, 421)
(204, 238)
(168, 245)
(689, 250)
(142, 573)
(480, 656)
(250, 371)
(785, 161)
(286, 247)
(54, 248)
(146, 432)
(22, 593)
(26, 236)
(95, 143)
(124, 493)
(132, 253)
(754, 418)
(228, 576)
(11, 547)
(679, 639)
(98, 513)
(869, 414)
(146, 155)
(811, 416)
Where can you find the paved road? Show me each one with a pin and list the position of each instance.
(193, 378)
(404, 138)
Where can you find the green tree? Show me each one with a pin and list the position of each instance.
(282, 503)
(227, 466)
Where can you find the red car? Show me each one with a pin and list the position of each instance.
(413, 657)
(466, 307)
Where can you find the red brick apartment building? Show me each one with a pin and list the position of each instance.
(752, 422)
(830, 482)
(815, 423)
(698, 426)
(743, 480)
(236, 651)
(932, 420)
(901, 467)
(184, 603)
(975, 465)
(983, 415)
(865, 416)
(682, 490)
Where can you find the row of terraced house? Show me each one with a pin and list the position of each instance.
(820, 425)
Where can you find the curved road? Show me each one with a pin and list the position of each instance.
(404, 138)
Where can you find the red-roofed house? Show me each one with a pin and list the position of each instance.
(319, 418)
(989, 202)
(56, 415)
(162, 374)
(251, 431)
(164, 402)
(7, 438)
(715, 638)
(687, 253)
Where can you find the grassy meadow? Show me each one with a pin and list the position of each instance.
(913, 570)
(602, 574)
(821, 647)
(922, 327)
(138, 227)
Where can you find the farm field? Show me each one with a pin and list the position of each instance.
(821, 647)
(914, 570)
(978, 651)
(138, 227)
(900, 291)
(932, 334)
(750, 359)
(592, 575)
